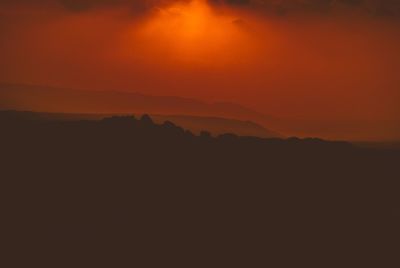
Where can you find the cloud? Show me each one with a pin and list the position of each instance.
(283, 7)
(280, 7)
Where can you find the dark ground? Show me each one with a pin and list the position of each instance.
(122, 192)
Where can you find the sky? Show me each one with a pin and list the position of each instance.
(302, 59)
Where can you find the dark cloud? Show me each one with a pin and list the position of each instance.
(375, 7)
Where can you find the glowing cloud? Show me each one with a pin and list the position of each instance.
(193, 32)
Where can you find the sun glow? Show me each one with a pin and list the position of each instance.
(190, 20)
(194, 32)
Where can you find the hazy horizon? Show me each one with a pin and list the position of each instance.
(333, 61)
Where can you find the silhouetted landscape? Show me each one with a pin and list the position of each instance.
(196, 124)
(103, 189)
(187, 112)
(200, 133)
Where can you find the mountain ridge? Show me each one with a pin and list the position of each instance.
(61, 100)
(20, 97)
(196, 124)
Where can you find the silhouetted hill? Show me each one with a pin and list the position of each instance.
(218, 126)
(196, 124)
(58, 100)
(102, 191)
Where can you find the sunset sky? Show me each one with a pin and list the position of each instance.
(302, 59)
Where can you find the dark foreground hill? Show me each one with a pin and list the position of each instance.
(123, 192)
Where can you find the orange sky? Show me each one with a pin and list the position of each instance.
(335, 66)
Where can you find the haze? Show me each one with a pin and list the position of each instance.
(339, 62)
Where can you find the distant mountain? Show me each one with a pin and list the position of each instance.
(196, 124)
(193, 114)
(218, 126)
(59, 103)
(58, 100)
